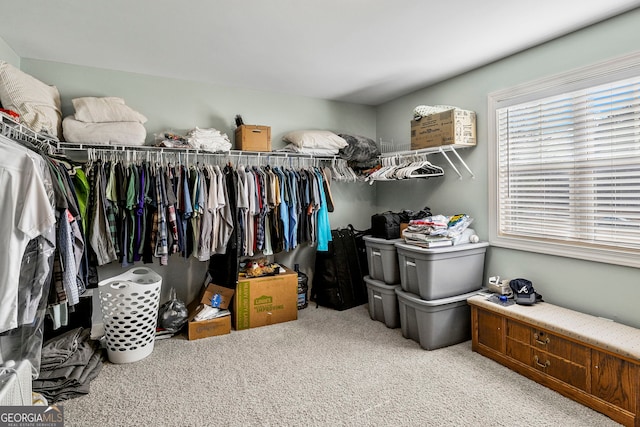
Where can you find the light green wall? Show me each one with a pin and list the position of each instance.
(600, 289)
(181, 105)
(7, 54)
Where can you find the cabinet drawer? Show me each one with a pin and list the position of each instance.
(564, 370)
(547, 342)
(557, 367)
(560, 347)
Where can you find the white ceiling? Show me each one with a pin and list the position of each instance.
(362, 51)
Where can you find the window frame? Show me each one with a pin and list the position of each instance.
(620, 68)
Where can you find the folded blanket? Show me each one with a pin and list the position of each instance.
(111, 133)
(209, 140)
(292, 148)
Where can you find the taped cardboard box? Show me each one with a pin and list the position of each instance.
(265, 300)
(453, 126)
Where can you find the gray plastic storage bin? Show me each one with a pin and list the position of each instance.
(441, 272)
(436, 323)
(382, 259)
(383, 302)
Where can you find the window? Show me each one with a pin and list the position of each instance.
(565, 164)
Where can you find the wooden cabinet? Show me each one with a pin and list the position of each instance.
(595, 377)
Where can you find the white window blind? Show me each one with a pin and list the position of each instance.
(568, 172)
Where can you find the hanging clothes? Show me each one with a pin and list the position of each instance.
(139, 211)
(323, 228)
(27, 213)
(224, 267)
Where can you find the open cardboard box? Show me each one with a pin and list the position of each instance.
(211, 327)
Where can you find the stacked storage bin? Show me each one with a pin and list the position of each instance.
(435, 284)
(383, 280)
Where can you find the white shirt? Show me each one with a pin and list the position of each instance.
(25, 213)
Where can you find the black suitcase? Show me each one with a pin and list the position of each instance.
(338, 280)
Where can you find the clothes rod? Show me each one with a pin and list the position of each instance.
(64, 146)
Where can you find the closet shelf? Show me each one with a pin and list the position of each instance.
(442, 149)
(68, 146)
(19, 132)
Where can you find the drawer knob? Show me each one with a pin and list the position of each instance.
(539, 341)
(542, 365)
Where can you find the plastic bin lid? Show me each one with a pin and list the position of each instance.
(379, 284)
(435, 302)
(380, 240)
(442, 249)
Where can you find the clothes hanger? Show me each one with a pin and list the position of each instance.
(427, 170)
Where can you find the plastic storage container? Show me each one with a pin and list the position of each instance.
(436, 323)
(441, 272)
(383, 302)
(129, 304)
(382, 259)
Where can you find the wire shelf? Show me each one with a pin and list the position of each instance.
(15, 130)
(391, 147)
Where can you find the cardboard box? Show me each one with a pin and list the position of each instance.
(206, 328)
(226, 295)
(211, 327)
(253, 138)
(453, 126)
(265, 300)
(403, 226)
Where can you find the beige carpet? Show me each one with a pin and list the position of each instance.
(328, 368)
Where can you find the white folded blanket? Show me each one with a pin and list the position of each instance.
(108, 133)
(308, 150)
(208, 139)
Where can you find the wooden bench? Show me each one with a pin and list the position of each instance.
(591, 360)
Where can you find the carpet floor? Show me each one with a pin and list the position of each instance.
(327, 368)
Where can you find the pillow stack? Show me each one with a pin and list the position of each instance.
(104, 121)
(37, 103)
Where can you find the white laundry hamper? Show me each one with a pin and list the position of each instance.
(129, 304)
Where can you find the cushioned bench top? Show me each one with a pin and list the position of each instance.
(605, 334)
